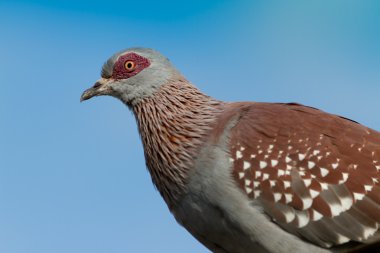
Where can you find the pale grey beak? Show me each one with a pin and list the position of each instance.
(96, 90)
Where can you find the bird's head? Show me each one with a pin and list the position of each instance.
(131, 75)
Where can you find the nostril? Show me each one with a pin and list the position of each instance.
(97, 84)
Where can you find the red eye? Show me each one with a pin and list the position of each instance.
(129, 66)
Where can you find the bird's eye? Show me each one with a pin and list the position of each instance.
(129, 66)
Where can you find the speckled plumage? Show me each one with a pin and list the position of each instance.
(249, 177)
(183, 117)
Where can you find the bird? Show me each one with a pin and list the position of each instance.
(248, 177)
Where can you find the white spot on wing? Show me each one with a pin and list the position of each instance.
(248, 190)
(335, 165)
(241, 175)
(302, 219)
(358, 196)
(289, 216)
(324, 186)
(310, 164)
(342, 239)
(257, 174)
(346, 202)
(263, 164)
(288, 197)
(368, 187)
(301, 156)
(246, 165)
(306, 203)
(336, 209)
(239, 154)
(274, 162)
(286, 184)
(316, 215)
(307, 182)
(324, 172)
(265, 176)
(313, 193)
(345, 177)
(277, 196)
(368, 231)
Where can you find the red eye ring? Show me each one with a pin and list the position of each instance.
(129, 66)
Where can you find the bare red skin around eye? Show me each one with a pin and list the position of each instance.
(119, 71)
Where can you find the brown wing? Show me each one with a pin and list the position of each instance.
(316, 174)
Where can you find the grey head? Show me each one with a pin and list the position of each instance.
(131, 75)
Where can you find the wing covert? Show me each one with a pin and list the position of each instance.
(316, 174)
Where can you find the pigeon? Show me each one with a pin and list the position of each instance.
(248, 177)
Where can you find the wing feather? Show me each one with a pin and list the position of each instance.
(316, 174)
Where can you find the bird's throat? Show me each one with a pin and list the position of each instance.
(173, 123)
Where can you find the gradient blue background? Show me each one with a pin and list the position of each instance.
(72, 176)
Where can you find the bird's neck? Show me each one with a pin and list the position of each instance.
(173, 123)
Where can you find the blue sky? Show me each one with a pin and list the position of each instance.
(72, 176)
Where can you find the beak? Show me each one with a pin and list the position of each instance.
(99, 88)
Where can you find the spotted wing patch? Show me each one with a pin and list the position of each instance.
(316, 175)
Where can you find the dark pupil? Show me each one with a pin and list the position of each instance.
(129, 65)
